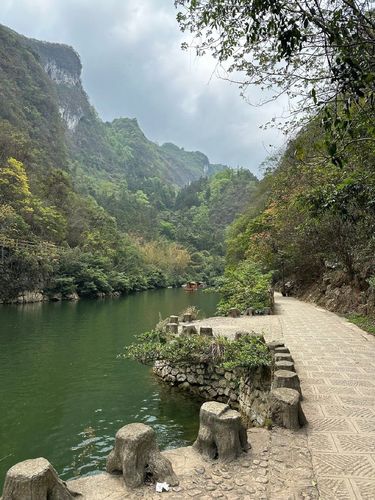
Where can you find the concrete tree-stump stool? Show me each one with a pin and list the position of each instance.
(35, 479)
(136, 454)
(187, 318)
(249, 311)
(275, 343)
(267, 310)
(286, 410)
(173, 319)
(283, 356)
(285, 365)
(282, 349)
(287, 379)
(234, 312)
(172, 327)
(189, 330)
(222, 434)
(206, 330)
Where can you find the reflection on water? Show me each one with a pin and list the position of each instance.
(63, 392)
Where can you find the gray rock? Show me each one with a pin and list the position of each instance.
(191, 379)
(185, 386)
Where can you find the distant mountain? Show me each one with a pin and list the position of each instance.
(42, 83)
(121, 212)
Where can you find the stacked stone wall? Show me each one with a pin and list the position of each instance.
(245, 390)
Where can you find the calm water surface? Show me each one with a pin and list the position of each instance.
(63, 392)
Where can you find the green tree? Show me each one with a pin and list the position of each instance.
(14, 184)
(318, 52)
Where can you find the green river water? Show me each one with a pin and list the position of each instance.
(63, 392)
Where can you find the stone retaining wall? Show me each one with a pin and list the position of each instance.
(246, 390)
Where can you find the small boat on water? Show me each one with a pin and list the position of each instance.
(192, 286)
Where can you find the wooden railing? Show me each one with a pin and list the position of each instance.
(34, 246)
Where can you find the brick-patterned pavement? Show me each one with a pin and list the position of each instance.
(332, 458)
(335, 361)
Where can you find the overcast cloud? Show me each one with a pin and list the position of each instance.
(133, 66)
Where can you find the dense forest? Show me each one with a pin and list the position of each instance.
(93, 208)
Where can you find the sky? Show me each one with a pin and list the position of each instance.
(133, 66)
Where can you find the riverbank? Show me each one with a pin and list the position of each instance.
(329, 458)
(64, 393)
(278, 466)
(32, 297)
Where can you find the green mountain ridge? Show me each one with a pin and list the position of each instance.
(123, 212)
(114, 149)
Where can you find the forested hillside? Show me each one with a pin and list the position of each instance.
(96, 208)
(312, 220)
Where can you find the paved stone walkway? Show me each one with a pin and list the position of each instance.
(335, 361)
(332, 458)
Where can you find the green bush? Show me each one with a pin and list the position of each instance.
(247, 352)
(62, 284)
(244, 286)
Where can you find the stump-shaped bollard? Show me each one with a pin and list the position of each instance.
(286, 378)
(285, 365)
(35, 479)
(136, 454)
(286, 409)
(222, 434)
(189, 330)
(187, 318)
(173, 319)
(249, 311)
(275, 343)
(172, 328)
(281, 349)
(234, 312)
(206, 330)
(283, 356)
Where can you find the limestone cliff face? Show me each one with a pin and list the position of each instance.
(47, 100)
(63, 66)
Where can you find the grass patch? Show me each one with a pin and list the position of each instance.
(367, 323)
